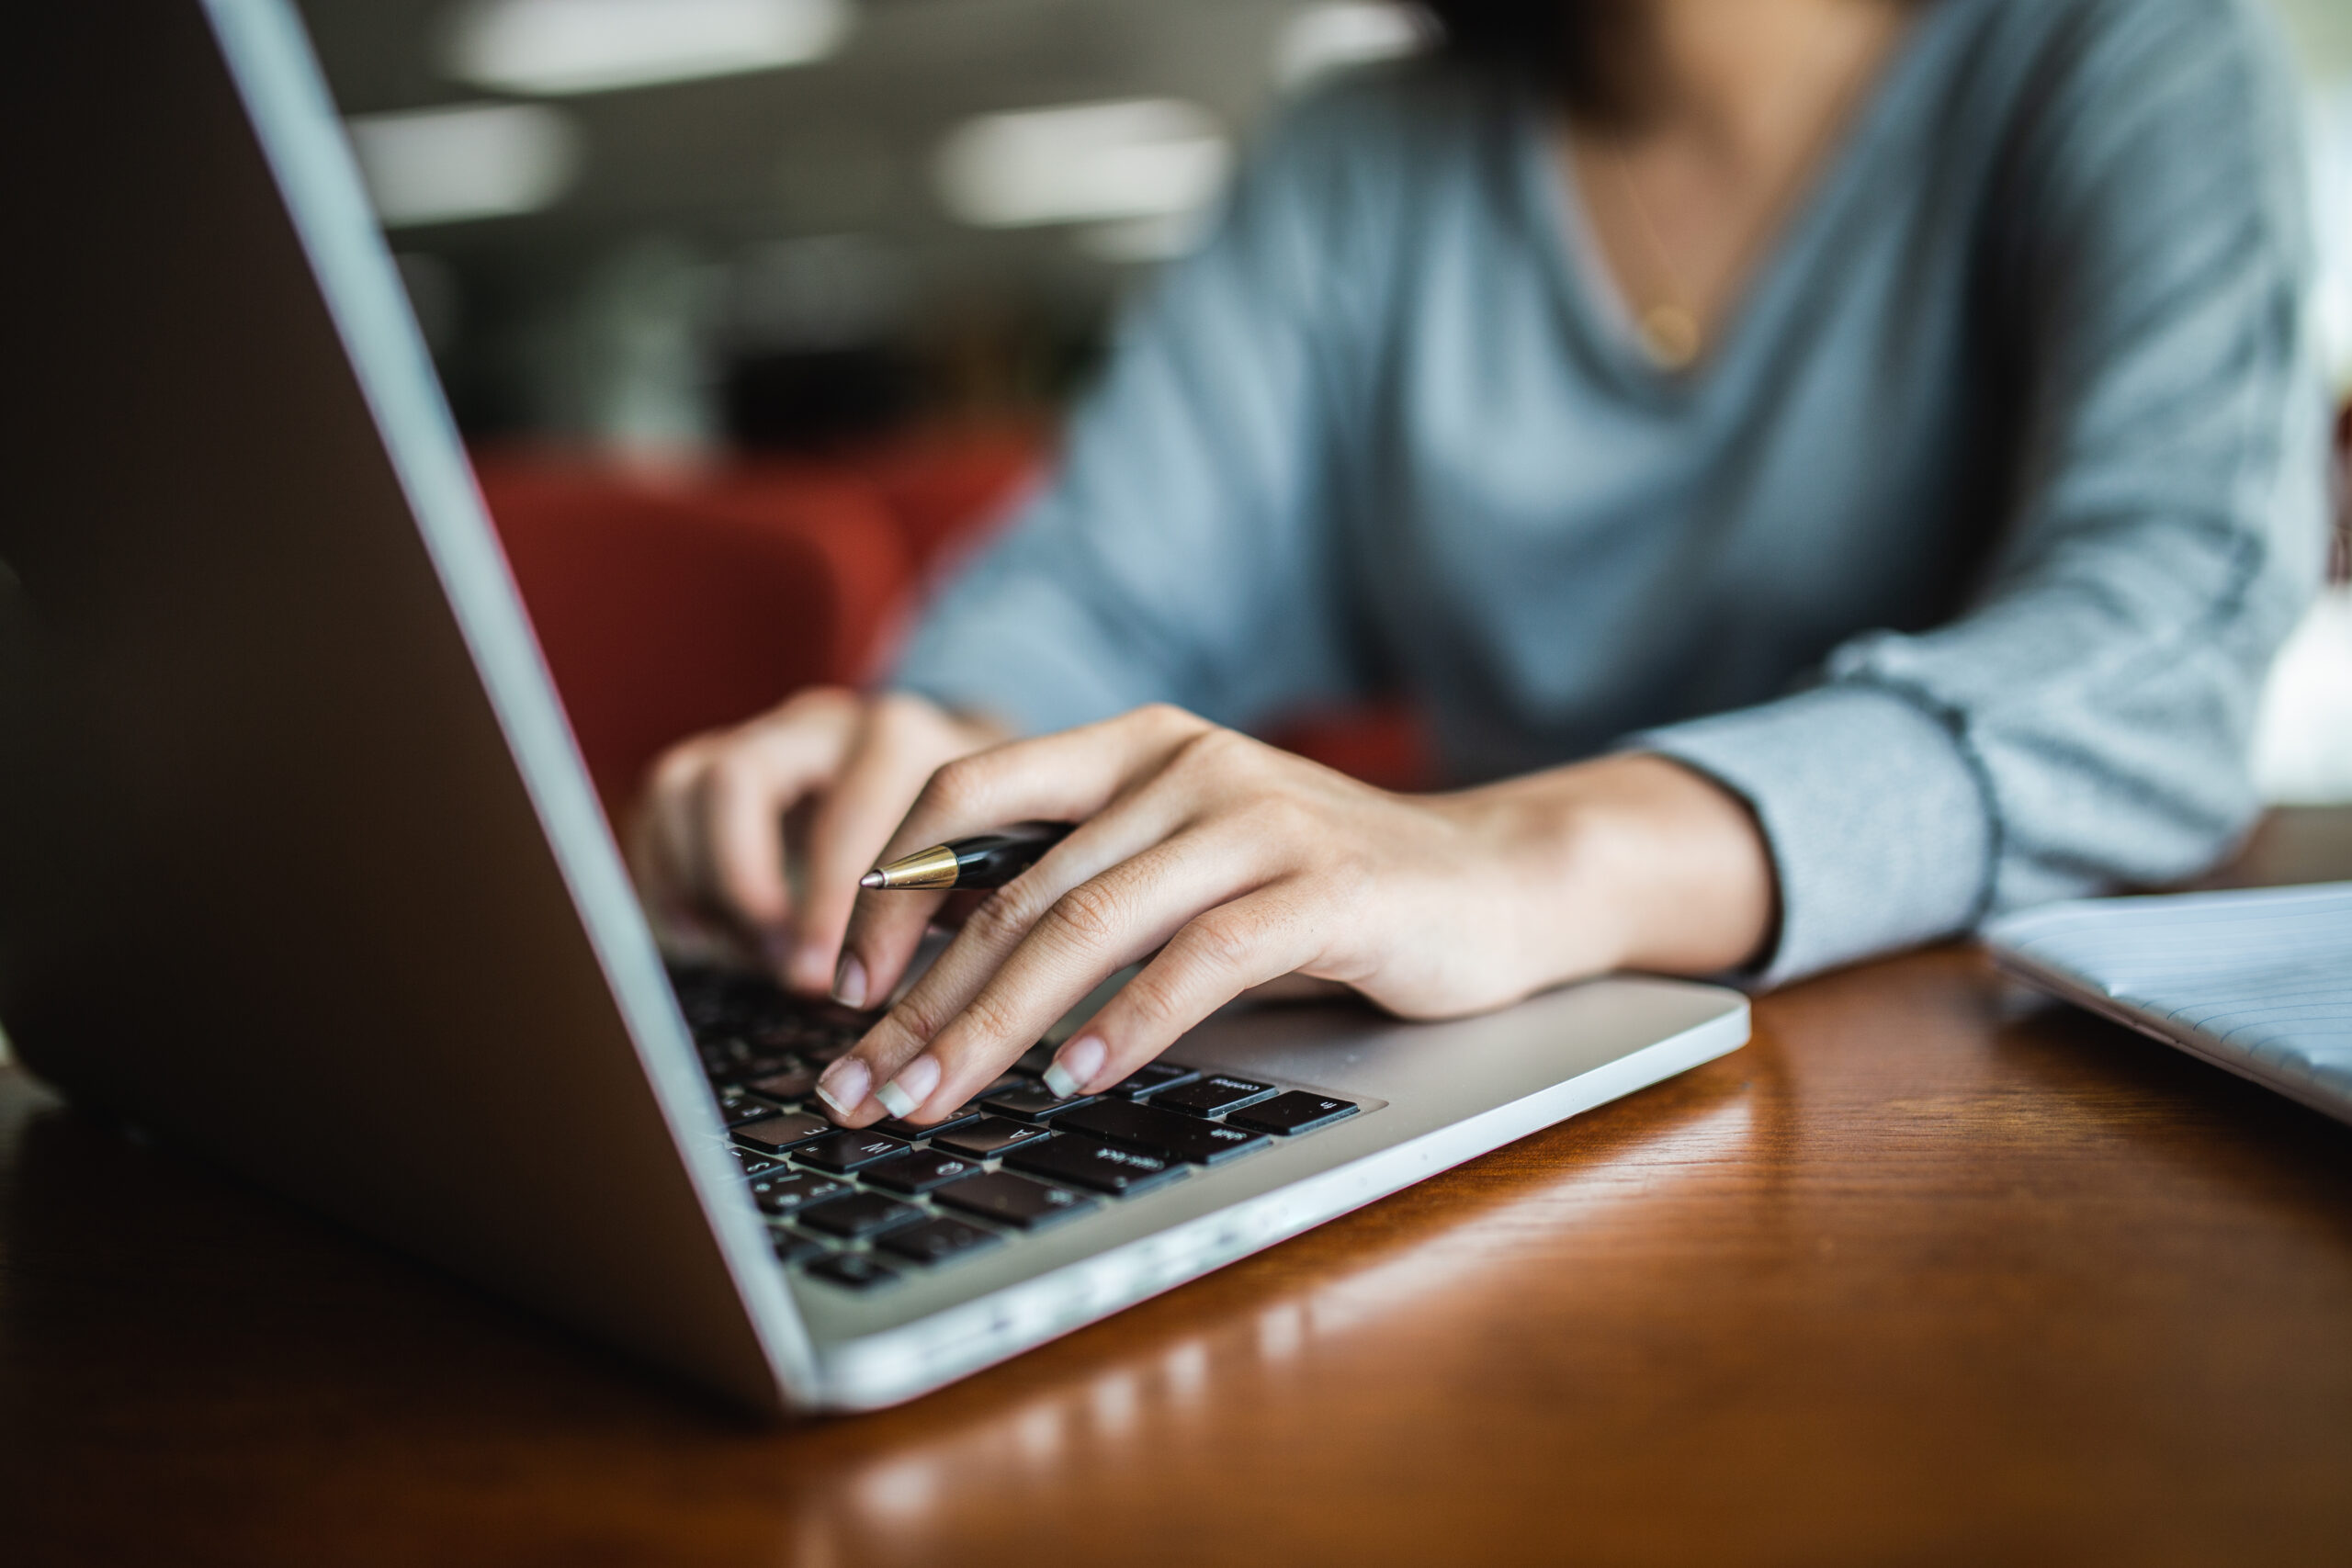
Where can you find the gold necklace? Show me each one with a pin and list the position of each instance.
(1669, 328)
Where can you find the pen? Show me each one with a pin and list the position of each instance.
(991, 860)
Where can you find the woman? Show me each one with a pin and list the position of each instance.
(1831, 468)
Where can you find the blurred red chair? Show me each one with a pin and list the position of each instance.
(1383, 743)
(665, 609)
(669, 606)
(951, 488)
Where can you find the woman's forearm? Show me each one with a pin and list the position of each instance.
(1628, 862)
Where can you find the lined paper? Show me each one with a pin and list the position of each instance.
(2263, 973)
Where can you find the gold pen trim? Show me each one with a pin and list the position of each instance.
(934, 867)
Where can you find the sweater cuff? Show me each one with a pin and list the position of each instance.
(1879, 827)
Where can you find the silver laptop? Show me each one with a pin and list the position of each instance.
(2256, 981)
(299, 868)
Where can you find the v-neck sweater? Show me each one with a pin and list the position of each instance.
(1960, 558)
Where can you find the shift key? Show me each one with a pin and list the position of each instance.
(1082, 1162)
(1163, 1132)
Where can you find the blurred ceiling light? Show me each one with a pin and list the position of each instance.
(554, 47)
(1341, 33)
(472, 161)
(1132, 158)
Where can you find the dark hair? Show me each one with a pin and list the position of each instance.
(1598, 57)
(1593, 54)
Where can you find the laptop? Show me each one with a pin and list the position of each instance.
(2256, 981)
(299, 869)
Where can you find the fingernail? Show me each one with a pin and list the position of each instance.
(910, 1087)
(844, 1085)
(849, 982)
(1075, 1066)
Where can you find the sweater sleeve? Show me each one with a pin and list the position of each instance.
(2087, 722)
(1180, 553)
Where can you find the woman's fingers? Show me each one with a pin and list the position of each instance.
(707, 845)
(1149, 816)
(1026, 958)
(1066, 777)
(742, 834)
(750, 785)
(895, 752)
(665, 853)
(1213, 958)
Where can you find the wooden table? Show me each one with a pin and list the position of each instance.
(1928, 1273)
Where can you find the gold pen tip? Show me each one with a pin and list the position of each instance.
(934, 867)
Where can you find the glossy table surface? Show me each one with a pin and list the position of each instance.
(1929, 1272)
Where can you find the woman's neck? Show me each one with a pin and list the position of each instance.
(1732, 106)
(1744, 80)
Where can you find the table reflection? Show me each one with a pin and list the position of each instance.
(1049, 1428)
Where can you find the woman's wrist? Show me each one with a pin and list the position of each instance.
(1629, 862)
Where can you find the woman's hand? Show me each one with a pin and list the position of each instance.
(1237, 864)
(707, 845)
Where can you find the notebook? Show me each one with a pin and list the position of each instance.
(2258, 981)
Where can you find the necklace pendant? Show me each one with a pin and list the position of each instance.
(1671, 335)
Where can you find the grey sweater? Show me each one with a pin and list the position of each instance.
(1960, 559)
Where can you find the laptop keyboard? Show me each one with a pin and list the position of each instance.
(863, 1210)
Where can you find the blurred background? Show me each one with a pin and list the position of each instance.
(757, 313)
(675, 227)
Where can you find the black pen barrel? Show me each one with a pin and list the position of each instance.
(991, 859)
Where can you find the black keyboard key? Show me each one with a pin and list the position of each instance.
(893, 1127)
(938, 1240)
(791, 1082)
(1006, 1084)
(727, 1057)
(852, 1271)
(711, 1013)
(1297, 1111)
(989, 1137)
(736, 1108)
(777, 1133)
(791, 1246)
(723, 1056)
(750, 1068)
(754, 1163)
(789, 1191)
(845, 1152)
(1164, 1133)
(1082, 1162)
(782, 1037)
(860, 1214)
(1012, 1199)
(1032, 1102)
(1213, 1096)
(692, 981)
(1153, 1077)
(922, 1171)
